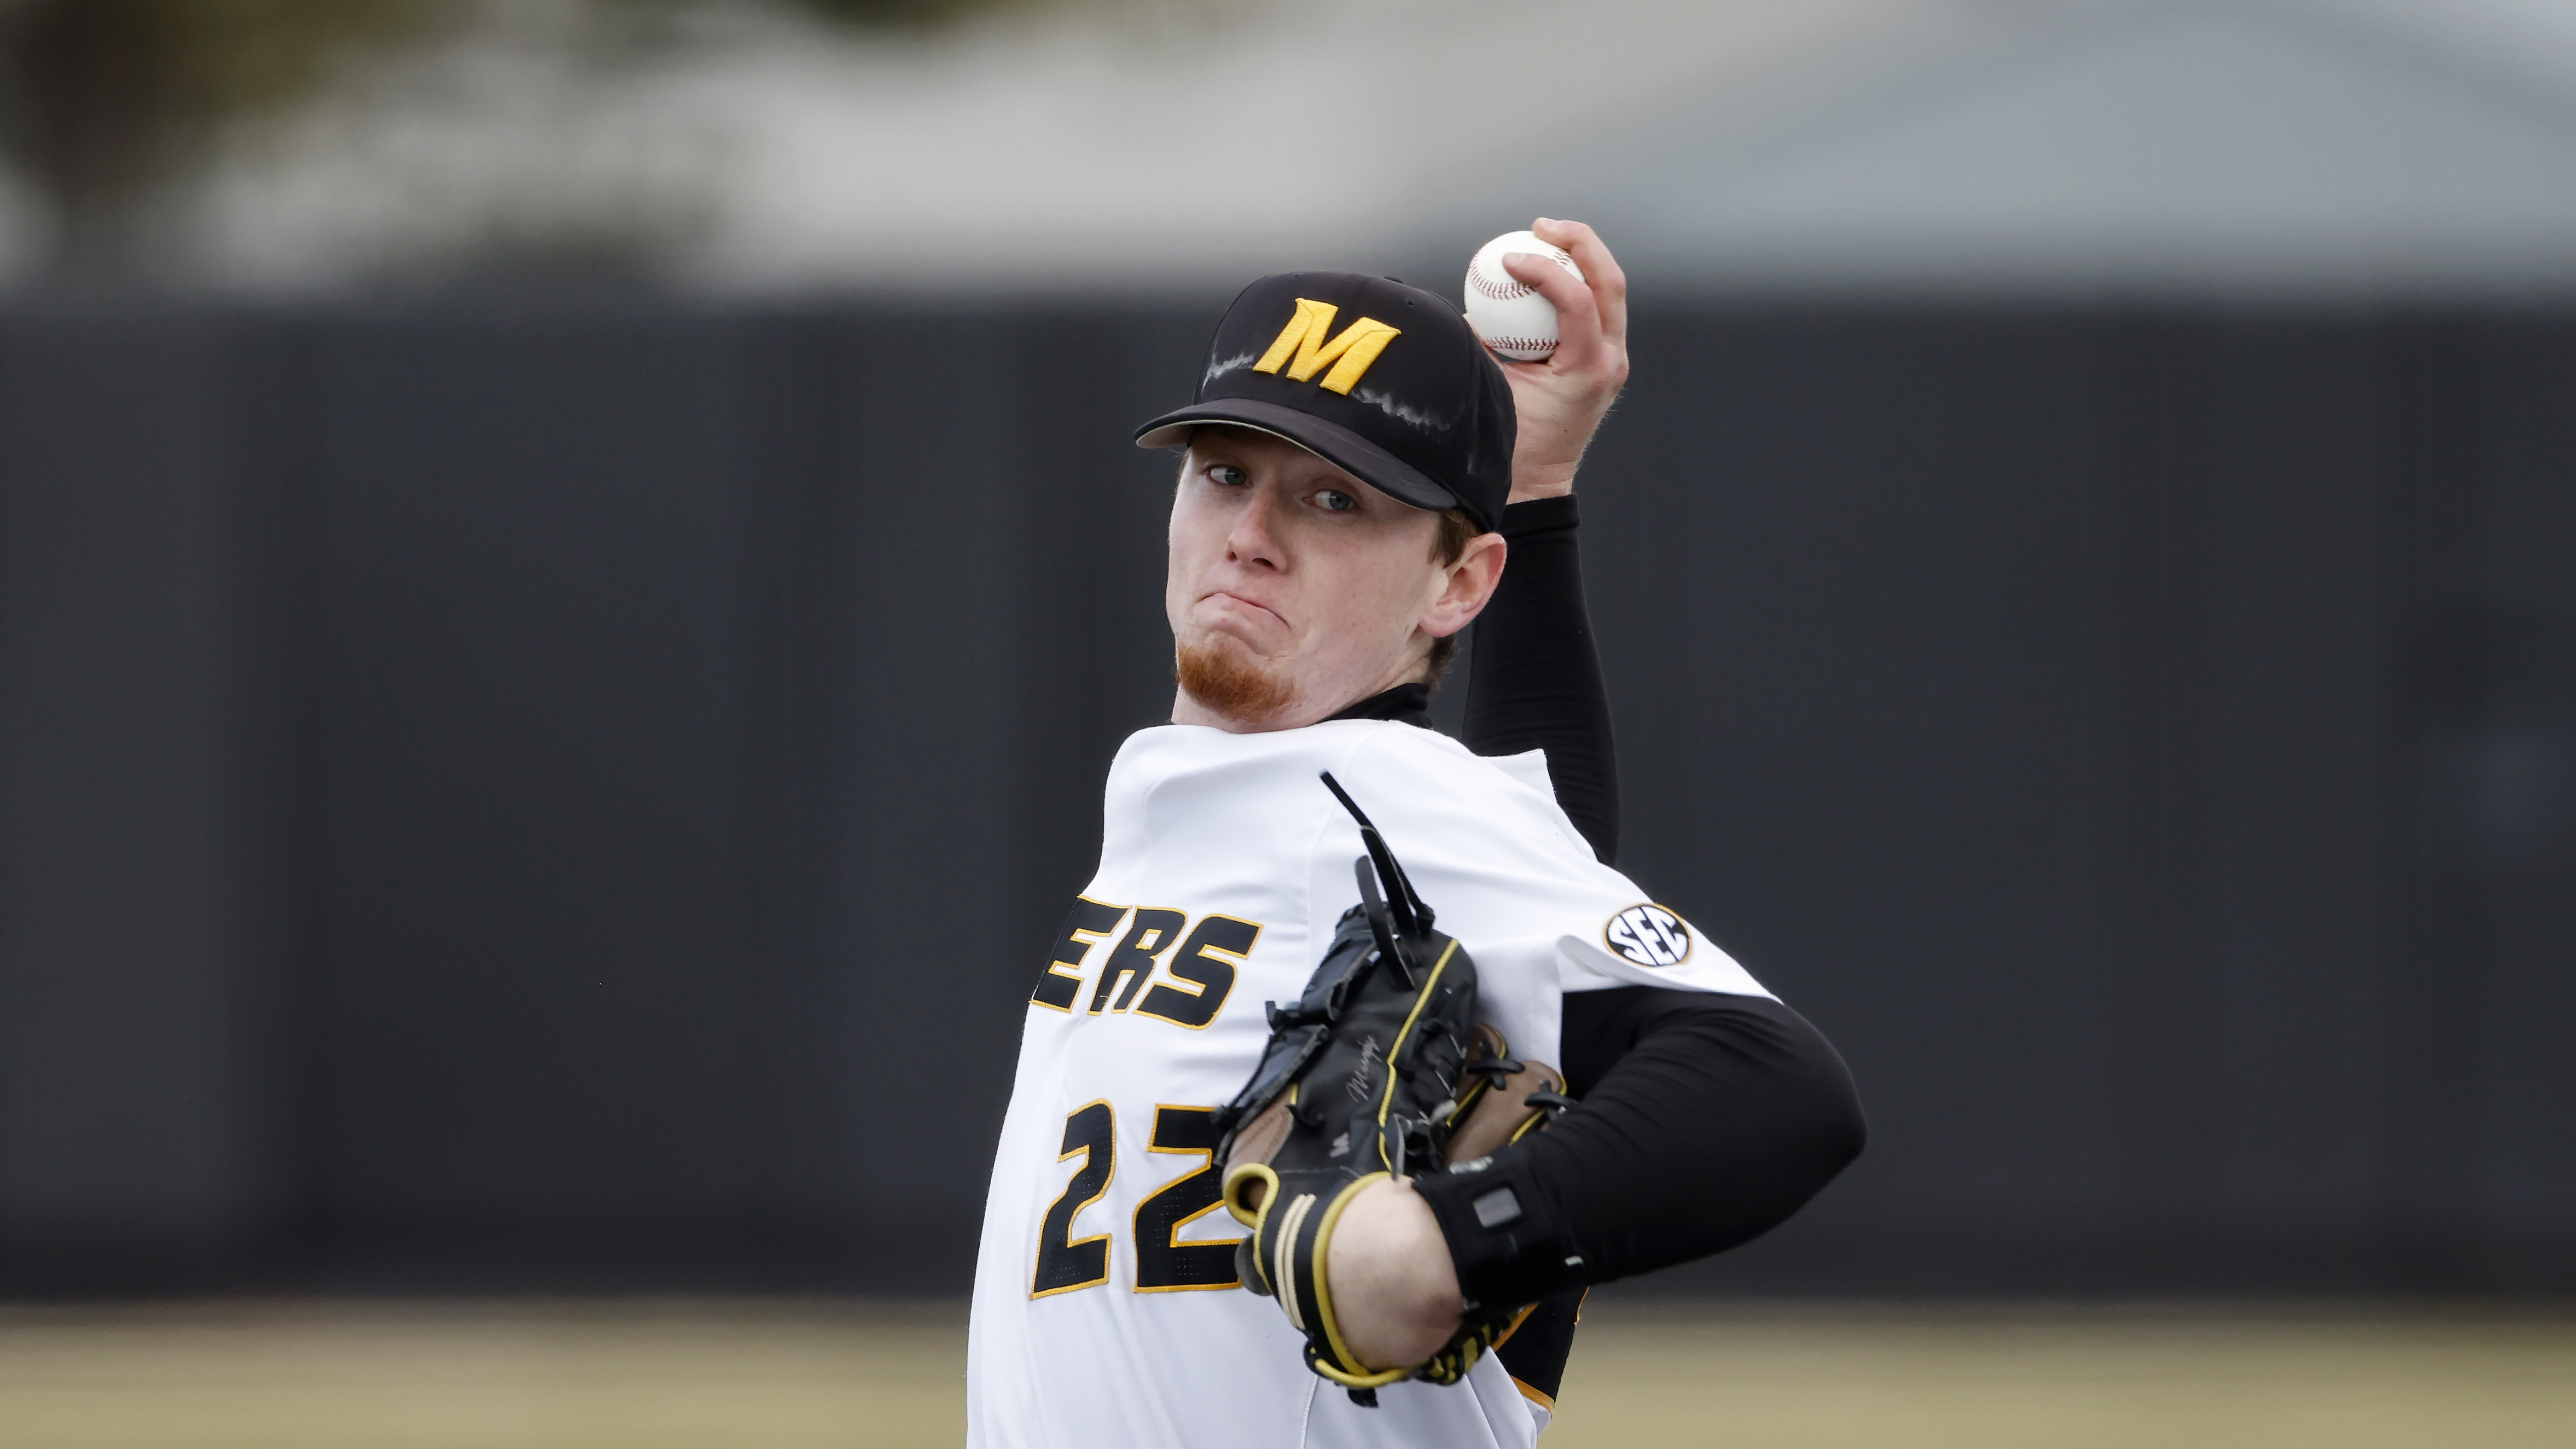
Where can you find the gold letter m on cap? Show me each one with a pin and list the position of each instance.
(1303, 337)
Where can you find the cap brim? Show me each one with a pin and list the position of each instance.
(1329, 441)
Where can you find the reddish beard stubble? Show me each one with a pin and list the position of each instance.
(1227, 684)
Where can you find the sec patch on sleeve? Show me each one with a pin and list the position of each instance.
(1649, 935)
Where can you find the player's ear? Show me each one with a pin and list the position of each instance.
(1466, 586)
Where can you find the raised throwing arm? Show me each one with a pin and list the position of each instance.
(1534, 679)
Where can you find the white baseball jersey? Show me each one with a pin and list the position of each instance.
(1106, 1306)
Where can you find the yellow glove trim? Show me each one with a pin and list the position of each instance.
(1324, 1292)
(1241, 1173)
(1404, 1033)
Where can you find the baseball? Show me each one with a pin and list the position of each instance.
(1513, 319)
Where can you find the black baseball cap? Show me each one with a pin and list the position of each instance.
(1384, 381)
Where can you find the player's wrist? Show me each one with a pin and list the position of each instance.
(1541, 482)
(1393, 1289)
(1508, 1241)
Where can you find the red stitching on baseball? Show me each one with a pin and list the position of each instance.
(1520, 344)
(1519, 289)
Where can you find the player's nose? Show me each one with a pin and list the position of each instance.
(1254, 539)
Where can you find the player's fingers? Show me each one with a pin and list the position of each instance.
(1609, 283)
(1579, 345)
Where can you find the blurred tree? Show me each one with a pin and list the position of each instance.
(107, 98)
(105, 102)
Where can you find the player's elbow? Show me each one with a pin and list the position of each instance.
(1824, 1129)
(1796, 1124)
(1728, 1116)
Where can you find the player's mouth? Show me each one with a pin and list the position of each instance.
(1223, 607)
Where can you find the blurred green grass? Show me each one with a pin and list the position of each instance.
(649, 1373)
(2104, 1377)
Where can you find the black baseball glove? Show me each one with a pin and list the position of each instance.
(1379, 1069)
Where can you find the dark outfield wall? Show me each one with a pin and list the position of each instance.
(545, 796)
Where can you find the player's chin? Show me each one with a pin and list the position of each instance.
(1228, 678)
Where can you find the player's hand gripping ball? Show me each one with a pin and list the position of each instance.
(1506, 312)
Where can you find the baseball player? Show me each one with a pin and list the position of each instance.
(1358, 1060)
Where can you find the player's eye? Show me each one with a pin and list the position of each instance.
(1334, 500)
(1226, 475)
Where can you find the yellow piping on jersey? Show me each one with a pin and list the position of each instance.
(1517, 1320)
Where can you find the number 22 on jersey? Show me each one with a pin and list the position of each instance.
(1165, 1262)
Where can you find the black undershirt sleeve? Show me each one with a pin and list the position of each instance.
(1534, 678)
(1705, 1120)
